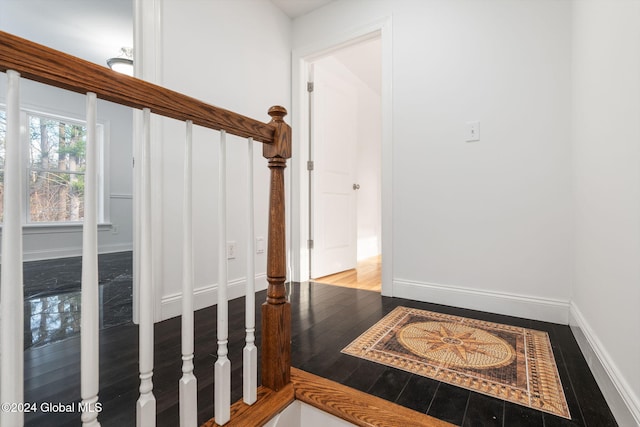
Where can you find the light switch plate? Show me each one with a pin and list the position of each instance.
(473, 131)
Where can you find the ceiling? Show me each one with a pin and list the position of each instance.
(71, 25)
(295, 8)
(94, 30)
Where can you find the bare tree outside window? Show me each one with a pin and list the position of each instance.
(56, 170)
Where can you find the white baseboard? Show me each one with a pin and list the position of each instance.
(69, 252)
(548, 310)
(205, 296)
(39, 255)
(114, 248)
(623, 402)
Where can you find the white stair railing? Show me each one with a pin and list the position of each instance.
(12, 300)
(188, 387)
(222, 368)
(250, 352)
(12, 287)
(146, 405)
(89, 322)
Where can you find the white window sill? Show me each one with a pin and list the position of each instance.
(50, 228)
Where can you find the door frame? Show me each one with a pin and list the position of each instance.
(299, 180)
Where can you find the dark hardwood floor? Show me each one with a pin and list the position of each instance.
(325, 319)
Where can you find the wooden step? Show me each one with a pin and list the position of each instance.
(269, 404)
(344, 402)
(355, 406)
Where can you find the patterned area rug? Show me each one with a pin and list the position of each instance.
(507, 362)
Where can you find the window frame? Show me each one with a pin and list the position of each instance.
(37, 227)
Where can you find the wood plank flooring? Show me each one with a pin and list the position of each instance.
(367, 276)
(325, 319)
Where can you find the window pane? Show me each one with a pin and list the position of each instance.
(56, 145)
(55, 170)
(56, 166)
(55, 196)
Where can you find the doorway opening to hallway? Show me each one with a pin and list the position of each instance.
(344, 167)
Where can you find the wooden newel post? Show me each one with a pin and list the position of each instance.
(276, 311)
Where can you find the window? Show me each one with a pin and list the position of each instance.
(55, 170)
(54, 161)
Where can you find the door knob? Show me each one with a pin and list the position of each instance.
(356, 186)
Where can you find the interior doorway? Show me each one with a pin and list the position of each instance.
(345, 151)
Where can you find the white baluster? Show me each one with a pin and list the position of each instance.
(12, 303)
(222, 369)
(250, 352)
(188, 386)
(146, 406)
(89, 326)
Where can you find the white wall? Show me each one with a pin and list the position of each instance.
(541, 217)
(234, 54)
(606, 149)
(483, 225)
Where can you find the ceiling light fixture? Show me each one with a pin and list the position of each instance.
(123, 63)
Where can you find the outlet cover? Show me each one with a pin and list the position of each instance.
(231, 250)
(259, 245)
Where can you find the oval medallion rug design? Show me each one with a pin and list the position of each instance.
(507, 362)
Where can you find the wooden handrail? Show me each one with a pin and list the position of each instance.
(45, 65)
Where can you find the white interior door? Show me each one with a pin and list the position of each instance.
(333, 148)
